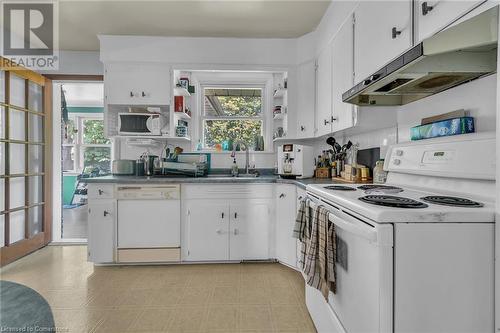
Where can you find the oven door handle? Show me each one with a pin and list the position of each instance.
(351, 224)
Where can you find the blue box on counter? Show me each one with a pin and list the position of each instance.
(447, 127)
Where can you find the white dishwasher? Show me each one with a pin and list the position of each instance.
(149, 223)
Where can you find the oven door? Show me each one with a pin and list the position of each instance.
(363, 300)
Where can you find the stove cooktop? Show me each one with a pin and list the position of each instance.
(340, 188)
(392, 201)
(451, 201)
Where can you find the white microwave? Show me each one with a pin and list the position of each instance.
(140, 123)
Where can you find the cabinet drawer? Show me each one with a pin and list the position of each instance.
(101, 191)
(149, 255)
(223, 191)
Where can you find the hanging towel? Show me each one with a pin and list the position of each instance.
(302, 229)
(319, 264)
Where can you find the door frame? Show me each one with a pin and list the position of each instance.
(21, 248)
(57, 182)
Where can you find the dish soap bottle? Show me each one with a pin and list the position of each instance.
(234, 168)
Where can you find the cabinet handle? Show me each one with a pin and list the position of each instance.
(235, 215)
(300, 198)
(143, 94)
(326, 122)
(282, 195)
(106, 213)
(426, 8)
(395, 32)
(100, 192)
(131, 94)
(334, 119)
(222, 215)
(302, 128)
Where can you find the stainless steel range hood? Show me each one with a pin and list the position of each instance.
(454, 56)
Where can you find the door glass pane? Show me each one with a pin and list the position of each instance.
(68, 158)
(35, 189)
(2, 122)
(35, 161)
(17, 90)
(35, 128)
(35, 100)
(69, 132)
(2, 194)
(35, 220)
(2, 86)
(93, 132)
(2, 158)
(16, 159)
(17, 125)
(2, 230)
(16, 226)
(97, 160)
(16, 192)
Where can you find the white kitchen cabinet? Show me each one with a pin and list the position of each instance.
(343, 76)
(137, 84)
(249, 229)
(324, 92)
(207, 230)
(383, 30)
(101, 224)
(433, 16)
(301, 195)
(286, 211)
(306, 99)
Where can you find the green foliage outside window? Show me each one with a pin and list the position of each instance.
(93, 132)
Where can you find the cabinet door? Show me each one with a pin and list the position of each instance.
(206, 230)
(249, 229)
(432, 16)
(375, 44)
(324, 92)
(343, 76)
(101, 239)
(137, 84)
(286, 245)
(301, 195)
(306, 100)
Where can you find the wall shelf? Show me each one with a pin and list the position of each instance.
(279, 93)
(182, 115)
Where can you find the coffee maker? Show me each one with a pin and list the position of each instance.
(295, 161)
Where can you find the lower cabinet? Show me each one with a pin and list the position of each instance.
(286, 245)
(221, 229)
(101, 223)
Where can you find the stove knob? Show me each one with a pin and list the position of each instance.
(399, 152)
(397, 161)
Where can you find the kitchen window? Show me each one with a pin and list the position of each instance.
(85, 148)
(231, 115)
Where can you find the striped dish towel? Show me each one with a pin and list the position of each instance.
(320, 253)
(302, 229)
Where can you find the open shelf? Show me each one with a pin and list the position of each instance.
(279, 93)
(182, 115)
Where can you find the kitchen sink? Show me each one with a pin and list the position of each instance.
(243, 175)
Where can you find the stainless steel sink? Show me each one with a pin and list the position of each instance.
(242, 175)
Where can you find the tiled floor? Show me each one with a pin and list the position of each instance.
(181, 298)
(75, 222)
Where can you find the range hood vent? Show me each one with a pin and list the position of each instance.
(457, 55)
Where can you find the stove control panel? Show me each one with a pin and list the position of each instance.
(438, 156)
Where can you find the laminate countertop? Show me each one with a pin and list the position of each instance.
(211, 179)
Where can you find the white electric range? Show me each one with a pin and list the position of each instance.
(417, 254)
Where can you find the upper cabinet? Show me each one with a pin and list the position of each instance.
(306, 83)
(137, 84)
(324, 92)
(383, 30)
(432, 16)
(343, 76)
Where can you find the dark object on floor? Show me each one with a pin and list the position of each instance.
(24, 310)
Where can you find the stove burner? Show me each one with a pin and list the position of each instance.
(340, 188)
(451, 201)
(379, 187)
(392, 201)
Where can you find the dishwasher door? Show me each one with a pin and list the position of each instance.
(149, 223)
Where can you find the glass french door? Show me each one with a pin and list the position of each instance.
(25, 151)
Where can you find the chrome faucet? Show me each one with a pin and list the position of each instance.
(247, 154)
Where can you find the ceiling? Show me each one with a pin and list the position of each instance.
(80, 21)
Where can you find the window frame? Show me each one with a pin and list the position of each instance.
(79, 146)
(203, 118)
